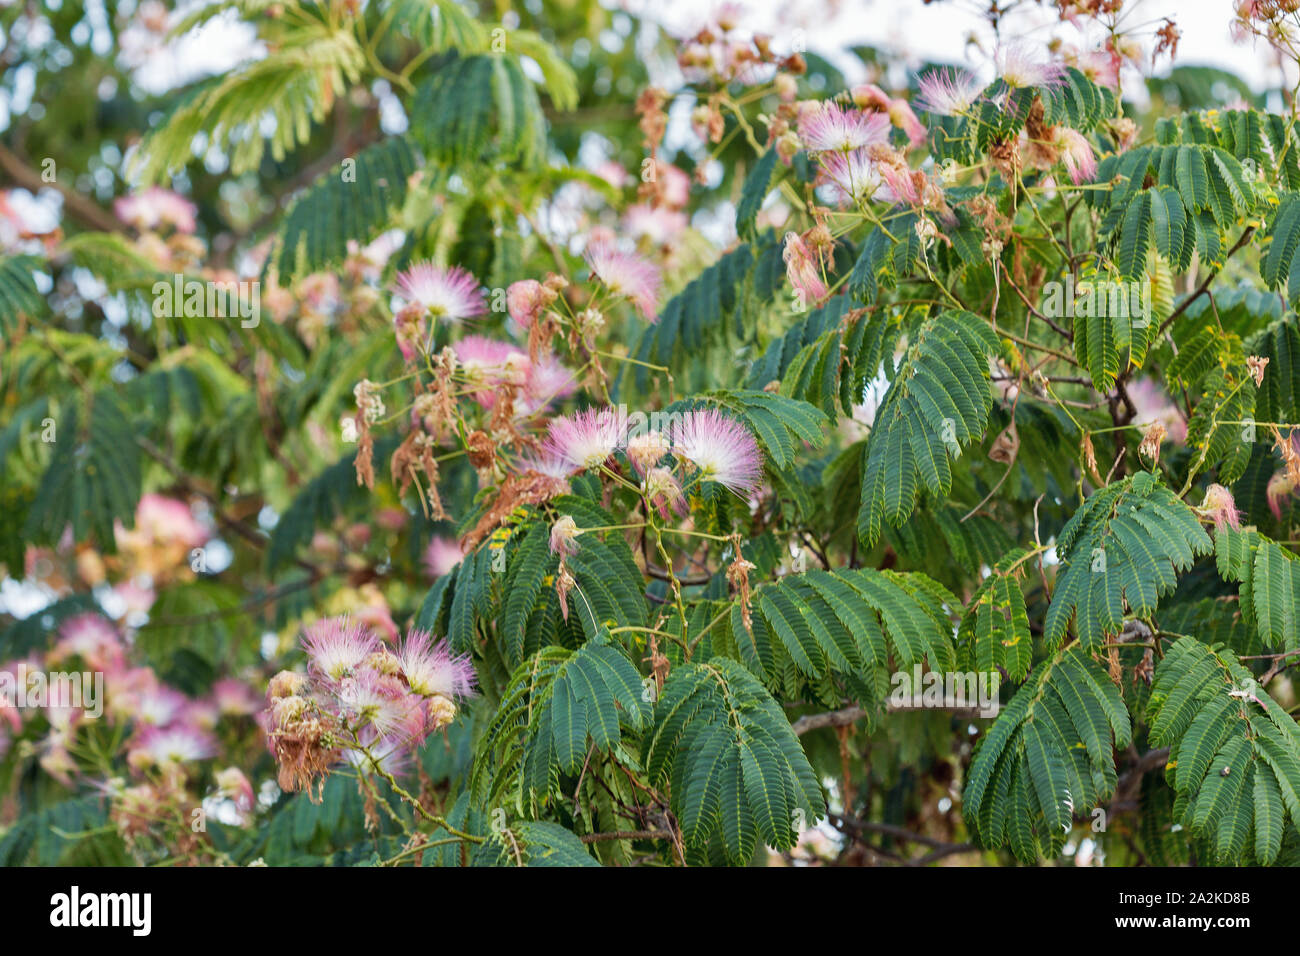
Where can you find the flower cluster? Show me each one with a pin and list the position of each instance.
(360, 702)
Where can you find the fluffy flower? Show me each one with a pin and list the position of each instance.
(548, 380)
(452, 294)
(432, 669)
(1019, 69)
(852, 177)
(235, 698)
(178, 744)
(626, 274)
(645, 450)
(90, 637)
(801, 269)
(1077, 154)
(948, 92)
(155, 207)
(586, 439)
(898, 110)
(441, 556)
(1220, 507)
(526, 300)
(828, 126)
(564, 536)
(720, 447)
(664, 492)
(379, 701)
(490, 363)
(338, 646)
(659, 224)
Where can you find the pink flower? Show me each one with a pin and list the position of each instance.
(490, 363)
(825, 126)
(586, 439)
(626, 274)
(659, 224)
(441, 556)
(93, 639)
(380, 701)
(801, 270)
(1280, 488)
(1019, 69)
(452, 294)
(548, 380)
(338, 646)
(1076, 153)
(235, 698)
(178, 744)
(948, 92)
(898, 111)
(159, 705)
(853, 177)
(1220, 507)
(154, 207)
(431, 668)
(720, 447)
(525, 301)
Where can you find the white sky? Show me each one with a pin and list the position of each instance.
(939, 30)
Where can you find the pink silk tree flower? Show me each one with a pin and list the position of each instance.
(451, 294)
(720, 447)
(626, 274)
(431, 668)
(586, 439)
(949, 92)
(337, 646)
(826, 127)
(564, 536)
(1076, 153)
(1019, 69)
(898, 110)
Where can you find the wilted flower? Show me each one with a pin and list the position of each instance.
(564, 536)
(801, 269)
(720, 447)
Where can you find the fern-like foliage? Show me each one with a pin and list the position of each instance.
(939, 401)
(479, 108)
(1269, 584)
(1234, 753)
(1213, 364)
(734, 767)
(311, 64)
(93, 479)
(1049, 754)
(558, 706)
(18, 292)
(1121, 550)
(994, 631)
(339, 209)
(850, 622)
(532, 843)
